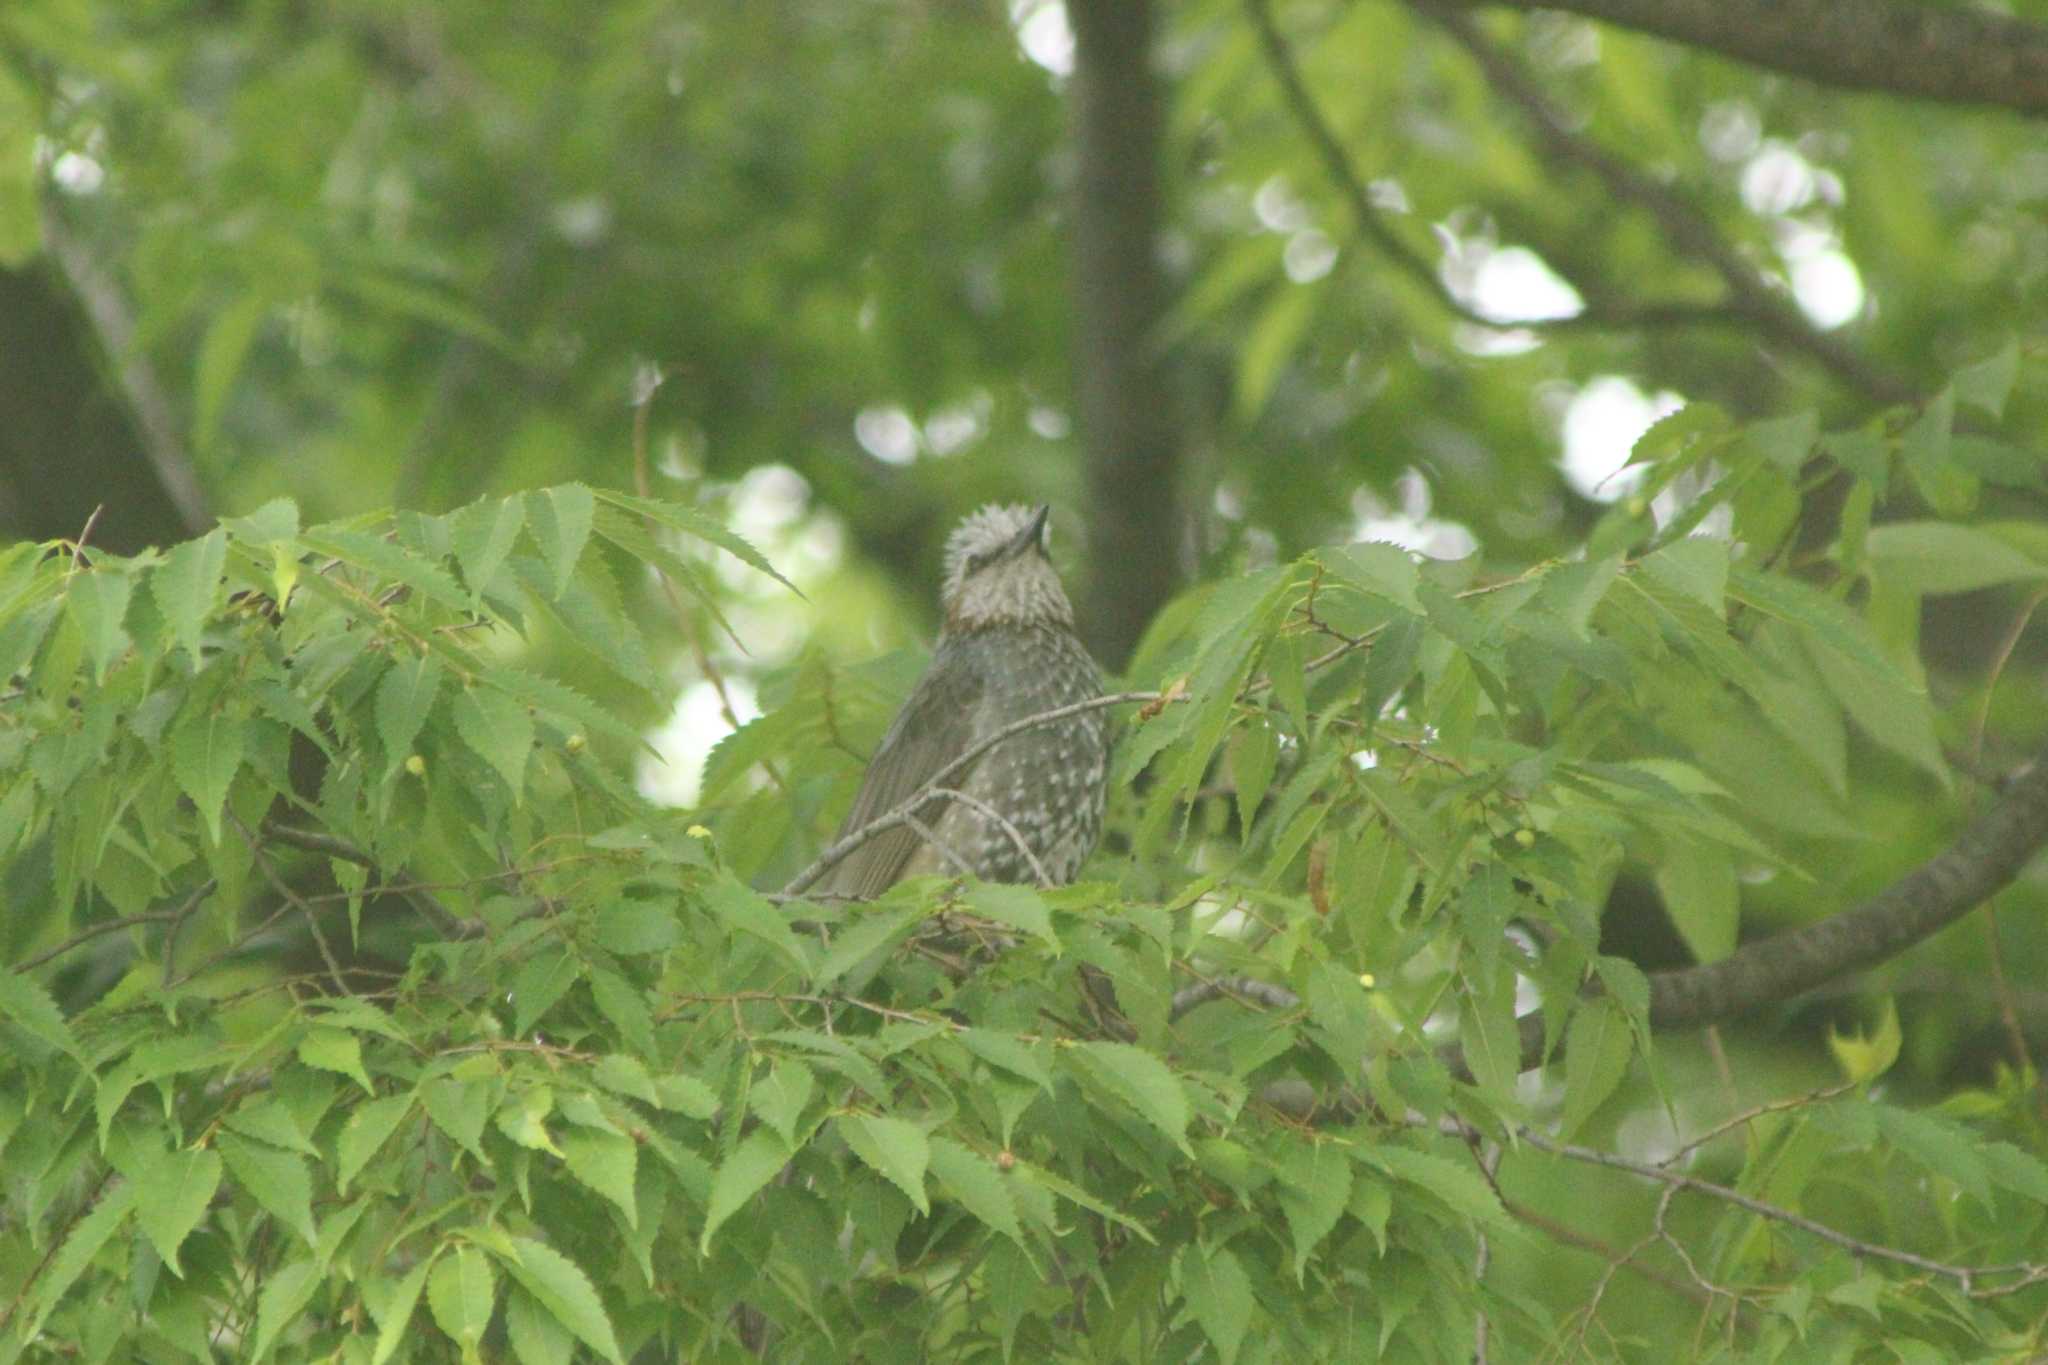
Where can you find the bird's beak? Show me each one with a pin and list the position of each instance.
(1032, 536)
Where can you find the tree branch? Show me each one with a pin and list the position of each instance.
(1685, 226)
(1986, 856)
(1961, 55)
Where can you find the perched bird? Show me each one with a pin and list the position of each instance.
(1007, 651)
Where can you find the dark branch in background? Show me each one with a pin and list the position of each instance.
(114, 325)
(1130, 438)
(1962, 55)
(1373, 224)
(1686, 227)
(1986, 856)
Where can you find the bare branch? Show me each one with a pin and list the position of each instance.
(1955, 54)
(1685, 226)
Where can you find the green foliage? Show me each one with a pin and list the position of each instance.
(362, 1010)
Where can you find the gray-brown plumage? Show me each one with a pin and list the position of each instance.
(1007, 651)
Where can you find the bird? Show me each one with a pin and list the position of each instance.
(1006, 651)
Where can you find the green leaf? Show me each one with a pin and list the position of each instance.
(1944, 1147)
(1140, 1080)
(98, 601)
(1784, 441)
(1986, 384)
(1379, 568)
(333, 1049)
(748, 911)
(537, 1337)
(1461, 1188)
(1937, 557)
(633, 927)
(174, 1193)
(973, 1182)
(483, 535)
(623, 1005)
(26, 1005)
(1009, 1053)
(545, 978)
(366, 1131)
(896, 1150)
(688, 520)
(220, 359)
(206, 753)
(872, 932)
(751, 1165)
(278, 1181)
(559, 519)
(1263, 352)
(1315, 1187)
(397, 1315)
(388, 560)
(1219, 1294)
(499, 730)
(1017, 906)
(187, 587)
(780, 1097)
(404, 697)
(1864, 1059)
(1697, 882)
(285, 1295)
(1597, 1046)
(561, 1287)
(1899, 718)
(1253, 756)
(81, 1247)
(606, 1162)
(462, 1293)
(459, 1108)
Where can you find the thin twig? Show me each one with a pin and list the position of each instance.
(279, 885)
(91, 932)
(1016, 836)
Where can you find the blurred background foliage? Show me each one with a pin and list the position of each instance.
(365, 253)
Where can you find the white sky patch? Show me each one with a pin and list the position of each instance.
(685, 740)
(1308, 256)
(77, 173)
(1778, 180)
(953, 429)
(1602, 423)
(1048, 423)
(1514, 284)
(1408, 523)
(1044, 34)
(1277, 206)
(886, 432)
(1825, 282)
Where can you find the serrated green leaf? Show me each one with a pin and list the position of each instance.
(1986, 384)
(1597, 1045)
(606, 1162)
(562, 1288)
(625, 1007)
(482, 536)
(459, 1108)
(173, 1196)
(1697, 882)
(1219, 1294)
(98, 601)
(276, 520)
(387, 560)
(894, 1149)
(1379, 568)
(333, 1049)
(1254, 753)
(1017, 906)
(780, 1097)
(206, 752)
(559, 519)
(545, 978)
(536, 1337)
(1461, 1188)
(26, 1005)
(500, 731)
(753, 914)
(1315, 1187)
(276, 1180)
(1008, 1052)
(285, 1295)
(689, 521)
(1939, 557)
(462, 1293)
(366, 1131)
(186, 587)
(396, 1318)
(405, 695)
(974, 1183)
(871, 933)
(633, 927)
(1140, 1080)
(751, 1165)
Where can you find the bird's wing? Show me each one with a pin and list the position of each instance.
(935, 726)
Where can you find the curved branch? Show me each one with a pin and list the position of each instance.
(1956, 55)
(1685, 226)
(1985, 858)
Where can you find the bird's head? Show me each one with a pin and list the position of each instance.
(997, 573)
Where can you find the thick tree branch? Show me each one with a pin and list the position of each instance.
(1130, 437)
(1985, 857)
(1962, 55)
